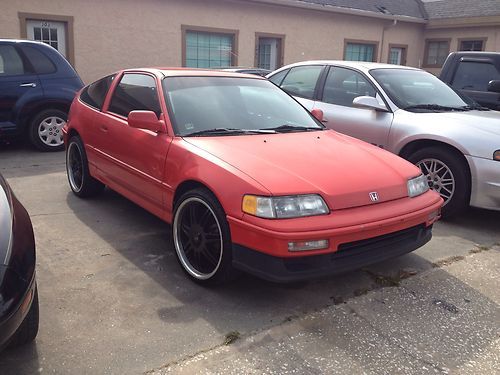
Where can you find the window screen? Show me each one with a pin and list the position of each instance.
(301, 81)
(10, 61)
(135, 92)
(95, 93)
(474, 75)
(360, 52)
(208, 50)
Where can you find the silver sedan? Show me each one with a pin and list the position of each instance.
(454, 141)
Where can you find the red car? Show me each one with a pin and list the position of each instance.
(247, 177)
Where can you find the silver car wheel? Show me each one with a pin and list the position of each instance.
(198, 238)
(50, 131)
(439, 177)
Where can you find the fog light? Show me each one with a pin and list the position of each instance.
(308, 245)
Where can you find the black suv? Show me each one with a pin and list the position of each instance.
(37, 86)
(475, 74)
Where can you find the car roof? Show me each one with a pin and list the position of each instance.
(26, 41)
(361, 65)
(192, 72)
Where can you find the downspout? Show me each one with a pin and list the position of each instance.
(393, 24)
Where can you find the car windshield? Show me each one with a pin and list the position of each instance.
(211, 106)
(416, 90)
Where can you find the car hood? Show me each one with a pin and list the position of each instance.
(342, 169)
(484, 121)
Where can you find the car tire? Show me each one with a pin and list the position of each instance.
(45, 130)
(82, 184)
(28, 329)
(446, 172)
(202, 239)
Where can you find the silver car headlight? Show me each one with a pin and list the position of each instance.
(417, 186)
(284, 207)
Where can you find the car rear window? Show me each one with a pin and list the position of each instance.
(95, 93)
(39, 61)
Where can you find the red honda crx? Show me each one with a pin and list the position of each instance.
(248, 179)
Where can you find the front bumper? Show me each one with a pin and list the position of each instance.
(356, 236)
(348, 257)
(485, 189)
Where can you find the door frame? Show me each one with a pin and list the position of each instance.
(68, 20)
(404, 52)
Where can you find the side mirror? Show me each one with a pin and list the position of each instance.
(318, 114)
(494, 86)
(145, 120)
(369, 102)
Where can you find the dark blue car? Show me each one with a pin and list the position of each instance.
(37, 86)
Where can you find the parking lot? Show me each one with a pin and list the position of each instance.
(114, 300)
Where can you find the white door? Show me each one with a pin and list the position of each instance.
(396, 55)
(50, 32)
(268, 53)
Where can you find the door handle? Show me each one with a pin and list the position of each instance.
(31, 84)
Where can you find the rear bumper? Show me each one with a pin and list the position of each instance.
(485, 192)
(348, 257)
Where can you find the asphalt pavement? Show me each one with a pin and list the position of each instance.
(113, 299)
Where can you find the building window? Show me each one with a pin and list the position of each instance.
(471, 45)
(207, 49)
(397, 55)
(436, 52)
(355, 51)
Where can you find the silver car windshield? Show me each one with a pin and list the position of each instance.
(214, 106)
(418, 90)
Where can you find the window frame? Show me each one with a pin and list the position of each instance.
(68, 20)
(111, 92)
(373, 43)
(28, 69)
(426, 51)
(85, 89)
(210, 30)
(479, 39)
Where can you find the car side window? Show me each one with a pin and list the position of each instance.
(135, 92)
(11, 63)
(343, 85)
(301, 81)
(472, 75)
(38, 60)
(278, 77)
(95, 93)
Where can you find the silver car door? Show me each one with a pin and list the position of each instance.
(342, 86)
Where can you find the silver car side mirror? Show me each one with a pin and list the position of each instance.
(369, 102)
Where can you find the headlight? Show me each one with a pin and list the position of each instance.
(496, 155)
(417, 186)
(284, 207)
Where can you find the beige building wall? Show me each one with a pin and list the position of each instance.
(491, 34)
(116, 34)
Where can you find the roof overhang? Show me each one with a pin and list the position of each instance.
(448, 23)
(341, 10)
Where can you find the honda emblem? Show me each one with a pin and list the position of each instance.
(373, 196)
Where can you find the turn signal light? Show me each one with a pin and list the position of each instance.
(496, 155)
(308, 245)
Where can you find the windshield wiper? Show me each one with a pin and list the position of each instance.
(476, 107)
(293, 128)
(436, 107)
(226, 131)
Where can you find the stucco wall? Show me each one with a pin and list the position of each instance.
(115, 34)
(492, 33)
